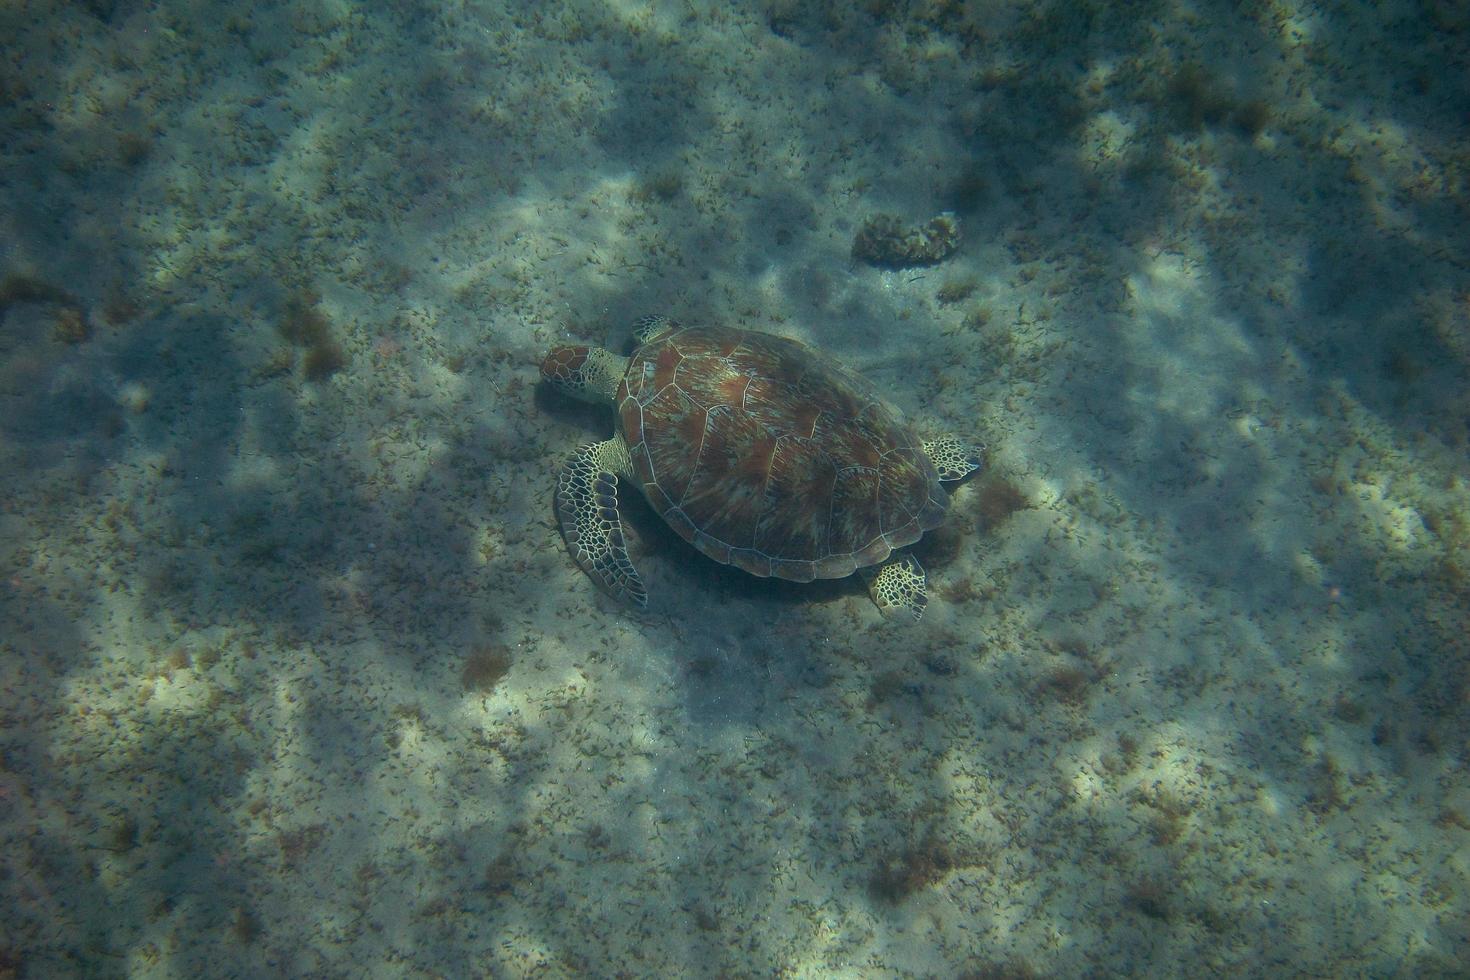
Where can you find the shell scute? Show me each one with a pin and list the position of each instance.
(795, 517)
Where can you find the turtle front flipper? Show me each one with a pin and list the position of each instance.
(645, 328)
(953, 458)
(898, 588)
(587, 507)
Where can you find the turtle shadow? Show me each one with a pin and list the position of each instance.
(591, 418)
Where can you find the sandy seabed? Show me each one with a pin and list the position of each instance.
(297, 677)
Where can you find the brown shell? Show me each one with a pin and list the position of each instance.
(764, 454)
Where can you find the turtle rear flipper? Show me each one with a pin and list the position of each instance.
(898, 587)
(587, 508)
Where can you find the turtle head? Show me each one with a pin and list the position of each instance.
(588, 373)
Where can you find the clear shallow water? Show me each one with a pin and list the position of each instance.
(299, 678)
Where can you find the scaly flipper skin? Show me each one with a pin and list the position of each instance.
(898, 588)
(645, 328)
(587, 507)
(954, 459)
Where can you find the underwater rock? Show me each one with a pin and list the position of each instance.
(885, 241)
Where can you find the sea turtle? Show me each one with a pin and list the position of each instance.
(759, 451)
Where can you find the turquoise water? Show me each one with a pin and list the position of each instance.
(297, 677)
